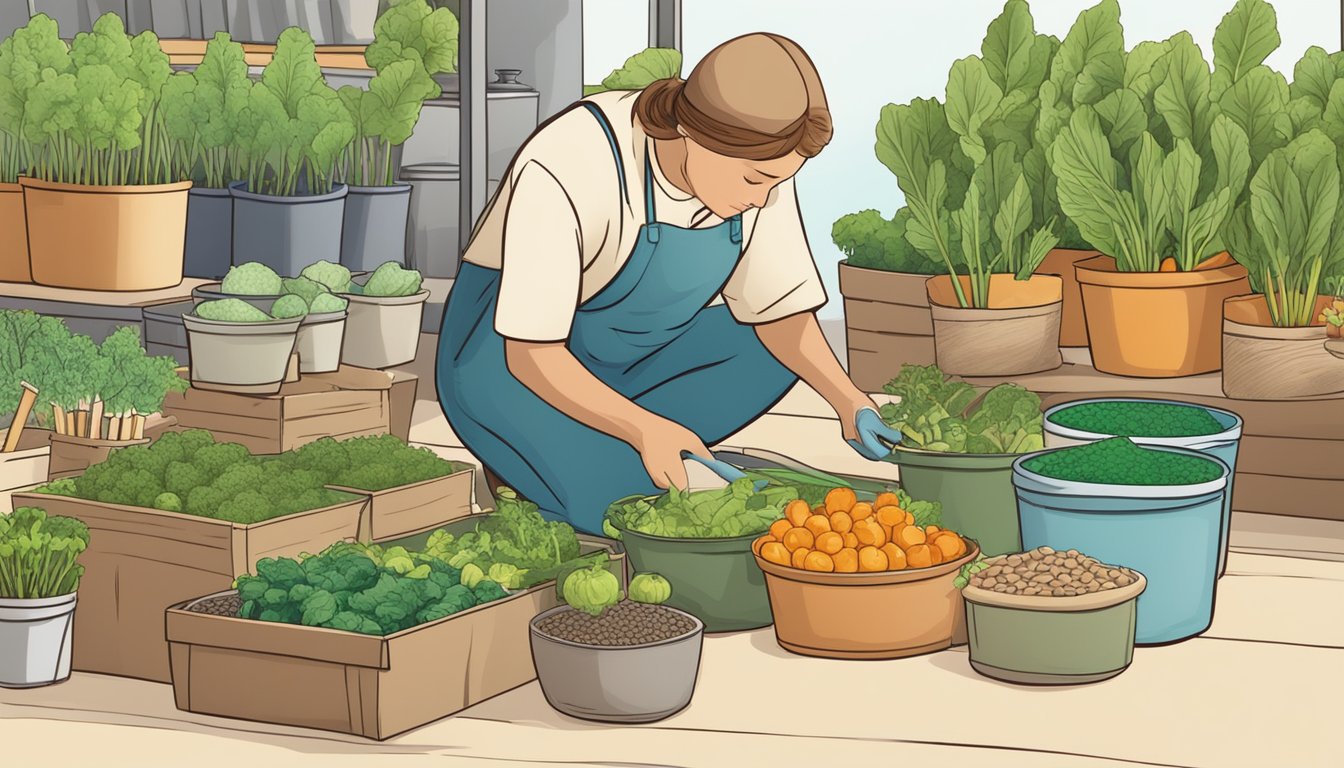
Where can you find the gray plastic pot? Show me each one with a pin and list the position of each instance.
(240, 357)
(209, 250)
(286, 233)
(613, 684)
(35, 640)
(374, 232)
(319, 342)
(383, 331)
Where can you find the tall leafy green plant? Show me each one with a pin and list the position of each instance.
(202, 110)
(294, 126)
(38, 554)
(34, 53)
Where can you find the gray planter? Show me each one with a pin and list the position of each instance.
(35, 640)
(352, 21)
(319, 342)
(633, 684)
(432, 223)
(75, 16)
(286, 233)
(211, 15)
(375, 226)
(209, 249)
(250, 358)
(383, 331)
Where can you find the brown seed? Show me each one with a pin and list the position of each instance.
(1012, 578)
(1065, 579)
(1045, 550)
(1123, 580)
(1058, 592)
(1108, 585)
(1087, 578)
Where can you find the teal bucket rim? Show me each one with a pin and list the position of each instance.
(1039, 483)
(1230, 434)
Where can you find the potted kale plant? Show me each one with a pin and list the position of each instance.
(39, 576)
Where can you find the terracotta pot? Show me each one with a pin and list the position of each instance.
(1156, 324)
(1060, 263)
(1018, 333)
(887, 324)
(14, 244)
(127, 238)
(1265, 362)
(888, 615)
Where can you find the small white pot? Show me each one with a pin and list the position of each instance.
(383, 331)
(319, 343)
(35, 640)
(239, 357)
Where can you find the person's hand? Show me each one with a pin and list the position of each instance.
(660, 445)
(864, 430)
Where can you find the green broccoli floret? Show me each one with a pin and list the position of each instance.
(212, 460)
(251, 279)
(239, 478)
(327, 458)
(327, 302)
(204, 501)
(181, 478)
(246, 507)
(289, 306)
(392, 279)
(230, 311)
(63, 487)
(332, 276)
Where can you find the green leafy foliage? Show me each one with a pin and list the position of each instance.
(642, 69)
(209, 479)
(327, 302)
(358, 588)
(410, 26)
(591, 590)
(230, 311)
(1119, 461)
(938, 413)
(720, 513)
(289, 306)
(251, 279)
(335, 277)
(392, 279)
(218, 94)
(38, 554)
(872, 242)
(33, 52)
(514, 534)
(369, 463)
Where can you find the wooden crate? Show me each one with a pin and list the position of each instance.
(410, 509)
(25, 466)
(367, 685)
(350, 402)
(140, 561)
(887, 324)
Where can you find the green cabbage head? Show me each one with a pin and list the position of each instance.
(650, 588)
(334, 276)
(231, 311)
(289, 306)
(251, 279)
(392, 279)
(328, 302)
(592, 590)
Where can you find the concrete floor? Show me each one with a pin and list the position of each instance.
(1259, 688)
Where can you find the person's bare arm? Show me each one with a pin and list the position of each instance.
(552, 372)
(798, 343)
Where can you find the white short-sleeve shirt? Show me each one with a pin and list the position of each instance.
(560, 231)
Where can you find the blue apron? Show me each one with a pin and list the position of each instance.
(648, 334)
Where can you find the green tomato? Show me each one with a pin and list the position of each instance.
(592, 590)
(650, 588)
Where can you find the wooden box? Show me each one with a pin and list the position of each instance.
(416, 508)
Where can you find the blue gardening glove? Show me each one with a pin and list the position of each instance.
(876, 439)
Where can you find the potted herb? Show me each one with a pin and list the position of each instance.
(602, 658)
(235, 347)
(701, 541)
(882, 279)
(23, 56)
(1156, 509)
(39, 576)
(218, 94)
(288, 211)
(958, 449)
(412, 43)
(386, 311)
(101, 155)
(1152, 189)
(1047, 617)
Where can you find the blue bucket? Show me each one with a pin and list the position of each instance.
(1221, 445)
(1149, 528)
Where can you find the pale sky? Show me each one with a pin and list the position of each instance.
(874, 53)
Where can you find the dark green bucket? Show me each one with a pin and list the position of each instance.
(715, 580)
(976, 492)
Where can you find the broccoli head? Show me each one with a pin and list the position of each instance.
(181, 478)
(168, 502)
(205, 501)
(246, 507)
(251, 279)
(214, 459)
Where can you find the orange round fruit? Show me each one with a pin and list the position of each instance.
(779, 528)
(776, 553)
(951, 545)
(818, 524)
(890, 515)
(830, 542)
(918, 556)
(895, 557)
(910, 536)
(886, 499)
(840, 500)
(819, 561)
(851, 540)
(797, 513)
(871, 534)
(935, 554)
(872, 559)
(760, 542)
(800, 557)
(846, 561)
(861, 511)
(841, 522)
(798, 538)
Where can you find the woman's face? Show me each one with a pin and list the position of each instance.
(731, 185)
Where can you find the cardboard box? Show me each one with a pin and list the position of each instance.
(370, 686)
(351, 402)
(415, 508)
(25, 466)
(140, 561)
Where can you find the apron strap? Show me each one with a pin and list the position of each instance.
(650, 215)
(615, 149)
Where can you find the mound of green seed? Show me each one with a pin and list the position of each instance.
(1138, 419)
(1118, 461)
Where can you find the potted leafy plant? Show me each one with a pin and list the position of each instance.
(209, 120)
(23, 56)
(958, 447)
(1151, 187)
(882, 280)
(386, 310)
(602, 658)
(411, 44)
(101, 155)
(235, 347)
(39, 577)
(288, 211)
(639, 71)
